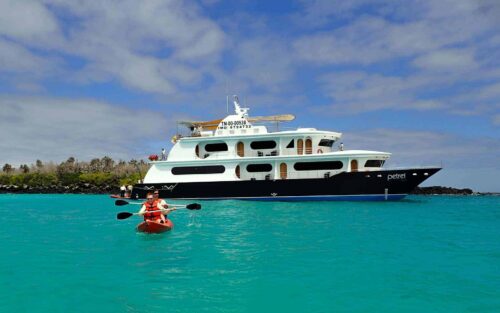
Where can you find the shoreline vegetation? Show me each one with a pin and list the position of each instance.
(105, 176)
(99, 176)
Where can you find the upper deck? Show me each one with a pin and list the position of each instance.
(215, 138)
(236, 137)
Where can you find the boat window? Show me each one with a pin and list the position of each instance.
(188, 170)
(312, 166)
(216, 147)
(253, 168)
(268, 144)
(374, 163)
(291, 144)
(309, 146)
(326, 143)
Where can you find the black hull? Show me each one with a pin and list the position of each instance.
(374, 185)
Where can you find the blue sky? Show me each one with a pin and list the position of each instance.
(419, 79)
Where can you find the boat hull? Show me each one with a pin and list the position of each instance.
(346, 186)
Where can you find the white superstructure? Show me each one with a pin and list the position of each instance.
(234, 149)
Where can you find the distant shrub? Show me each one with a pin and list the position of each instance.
(5, 179)
(130, 179)
(99, 179)
(42, 179)
(68, 178)
(19, 179)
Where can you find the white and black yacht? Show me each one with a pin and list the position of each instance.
(233, 158)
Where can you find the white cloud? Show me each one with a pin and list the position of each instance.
(455, 60)
(373, 37)
(14, 58)
(355, 92)
(26, 20)
(150, 46)
(264, 62)
(318, 13)
(490, 92)
(53, 129)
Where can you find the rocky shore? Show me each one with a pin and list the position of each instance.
(83, 188)
(440, 190)
(87, 188)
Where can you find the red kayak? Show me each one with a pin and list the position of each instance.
(118, 197)
(151, 227)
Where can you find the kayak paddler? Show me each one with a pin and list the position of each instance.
(161, 202)
(153, 210)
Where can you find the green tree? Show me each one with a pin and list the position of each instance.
(24, 168)
(132, 162)
(68, 167)
(39, 164)
(107, 164)
(95, 165)
(7, 168)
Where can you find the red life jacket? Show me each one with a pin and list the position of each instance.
(152, 207)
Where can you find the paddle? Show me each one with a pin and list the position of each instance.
(123, 202)
(125, 215)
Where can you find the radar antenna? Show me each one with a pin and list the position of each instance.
(239, 110)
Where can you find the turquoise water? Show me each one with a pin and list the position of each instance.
(68, 253)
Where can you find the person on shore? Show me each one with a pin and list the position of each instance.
(128, 194)
(123, 189)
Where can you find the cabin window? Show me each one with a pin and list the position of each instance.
(216, 147)
(354, 165)
(308, 146)
(261, 145)
(314, 166)
(240, 149)
(326, 143)
(374, 163)
(254, 168)
(189, 170)
(283, 171)
(291, 144)
(300, 146)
